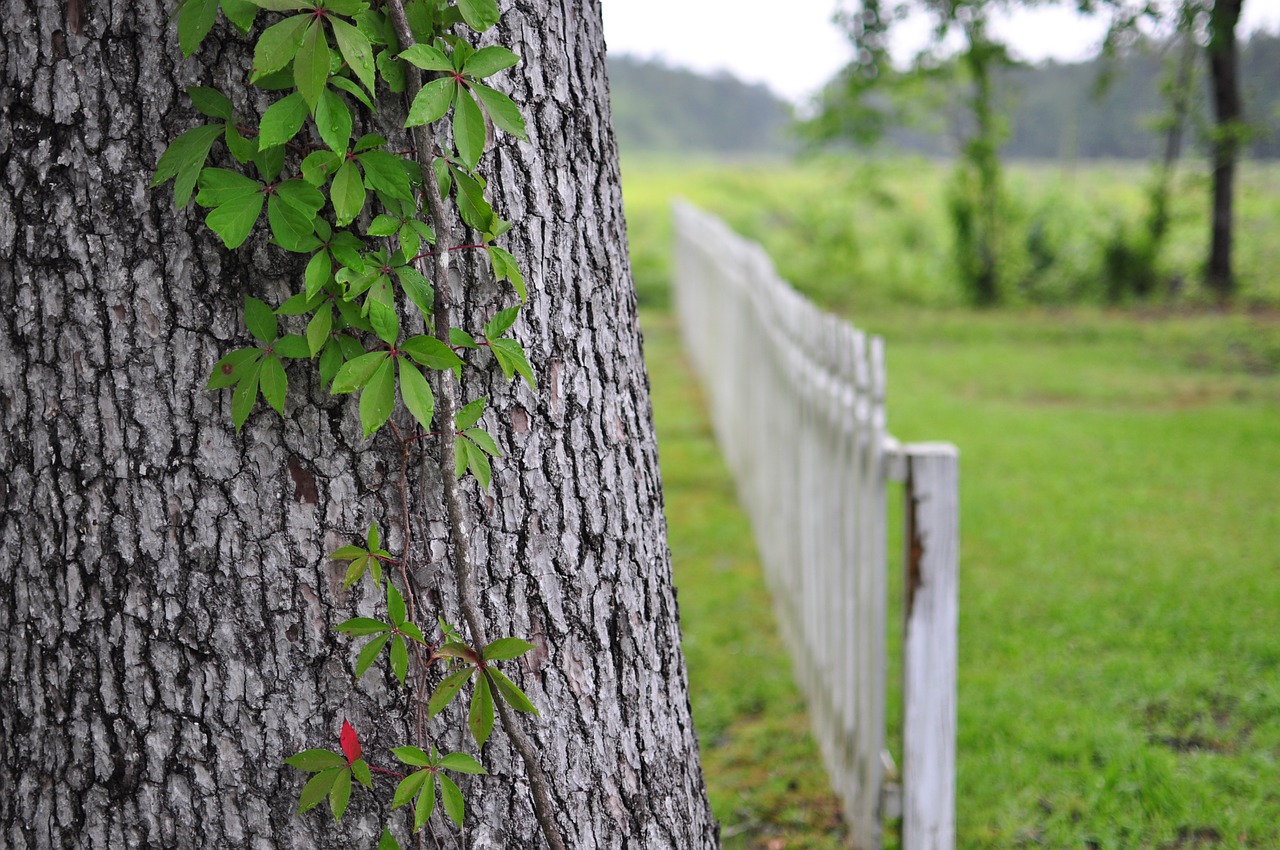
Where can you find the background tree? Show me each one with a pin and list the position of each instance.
(1228, 136)
(864, 103)
(166, 613)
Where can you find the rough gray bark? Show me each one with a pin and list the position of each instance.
(165, 609)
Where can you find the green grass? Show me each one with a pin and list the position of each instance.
(1120, 593)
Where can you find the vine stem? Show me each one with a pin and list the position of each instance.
(459, 528)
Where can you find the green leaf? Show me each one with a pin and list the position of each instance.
(360, 770)
(427, 58)
(413, 633)
(340, 794)
(430, 352)
(319, 271)
(409, 786)
(357, 372)
(277, 45)
(233, 221)
(413, 756)
(319, 166)
(211, 102)
(471, 413)
(372, 537)
(479, 14)
(468, 129)
(472, 206)
(194, 22)
(513, 696)
(273, 382)
(244, 149)
(282, 120)
(500, 323)
(245, 394)
(260, 320)
(431, 102)
(505, 268)
(504, 649)
(347, 194)
(386, 324)
(459, 337)
(311, 65)
(346, 553)
(269, 162)
(355, 570)
(385, 173)
(478, 461)
(501, 109)
(370, 653)
(283, 5)
(462, 763)
(292, 228)
(395, 605)
(447, 690)
(350, 8)
(392, 70)
(383, 225)
(416, 287)
(480, 717)
(511, 357)
(451, 796)
(388, 841)
(426, 803)
(301, 195)
(368, 142)
(183, 160)
(399, 658)
(314, 761)
(488, 61)
(356, 49)
(416, 393)
(482, 439)
(220, 185)
(357, 626)
(232, 368)
(330, 361)
(292, 346)
(319, 787)
(319, 327)
(333, 121)
(378, 399)
(241, 13)
(350, 87)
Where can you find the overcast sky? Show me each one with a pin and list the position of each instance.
(793, 47)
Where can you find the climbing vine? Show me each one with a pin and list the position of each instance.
(373, 311)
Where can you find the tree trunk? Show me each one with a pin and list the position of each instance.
(1224, 71)
(166, 608)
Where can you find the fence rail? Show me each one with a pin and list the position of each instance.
(797, 403)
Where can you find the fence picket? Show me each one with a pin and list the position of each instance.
(797, 403)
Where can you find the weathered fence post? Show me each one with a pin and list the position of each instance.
(931, 611)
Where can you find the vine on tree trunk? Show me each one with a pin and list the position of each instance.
(370, 216)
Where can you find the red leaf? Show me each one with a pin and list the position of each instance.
(350, 743)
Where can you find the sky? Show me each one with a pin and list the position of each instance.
(796, 51)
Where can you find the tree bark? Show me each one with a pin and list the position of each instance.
(1224, 71)
(166, 609)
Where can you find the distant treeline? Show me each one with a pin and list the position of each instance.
(1055, 110)
(660, 108)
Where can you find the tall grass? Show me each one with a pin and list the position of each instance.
(1120, 592)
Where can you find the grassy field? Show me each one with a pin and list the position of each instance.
(1120, 597)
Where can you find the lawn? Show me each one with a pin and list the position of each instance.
(1120, 595)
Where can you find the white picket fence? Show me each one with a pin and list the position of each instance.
(797, 402)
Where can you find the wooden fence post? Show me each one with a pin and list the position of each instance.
(929, 654)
